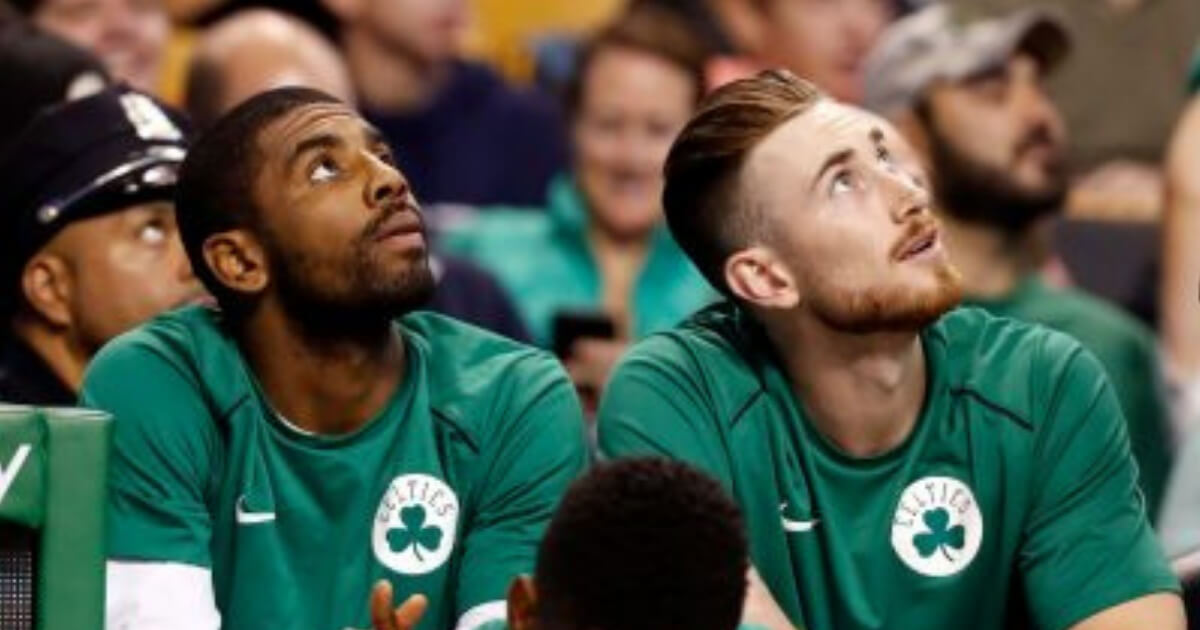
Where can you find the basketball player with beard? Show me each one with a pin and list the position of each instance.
(278, 461)
(968, 95)
(900, 464)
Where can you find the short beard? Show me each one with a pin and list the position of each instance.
(975, 193)
(367, 300)
(886, 308)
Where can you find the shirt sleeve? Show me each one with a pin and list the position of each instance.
(1133, 368)
(157, 595)
(534, 457)
(657, 404)
(1087, 544)
(164, 441)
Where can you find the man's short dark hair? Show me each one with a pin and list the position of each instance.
(215, 192)
(25, 7)
(706, 209)
(643, 544)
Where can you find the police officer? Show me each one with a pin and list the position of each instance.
(88, 242)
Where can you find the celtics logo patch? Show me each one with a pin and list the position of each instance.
(415, 524)
(937, 527)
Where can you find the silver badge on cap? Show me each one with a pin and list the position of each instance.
(48, 213)
(150, 122)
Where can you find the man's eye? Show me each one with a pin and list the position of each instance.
(842, 183)
(323, 171)
(152, 233)
(386, 157)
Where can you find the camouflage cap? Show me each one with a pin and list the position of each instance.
(940, 43)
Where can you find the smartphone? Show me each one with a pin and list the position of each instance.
(570, 326)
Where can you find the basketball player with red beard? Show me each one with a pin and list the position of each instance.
(900, 463)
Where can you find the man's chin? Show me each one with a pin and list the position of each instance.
(896, 308)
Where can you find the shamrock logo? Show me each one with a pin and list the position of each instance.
(414, 533)
(939, 537)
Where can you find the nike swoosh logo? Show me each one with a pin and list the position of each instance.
(795, 526)
(245, 517)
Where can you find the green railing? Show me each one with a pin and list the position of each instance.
(53, 471)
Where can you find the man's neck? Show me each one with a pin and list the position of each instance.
(864, 392)
(991, 261)
(65, 357)
(325, 385)
(388, 80)
(619, 261)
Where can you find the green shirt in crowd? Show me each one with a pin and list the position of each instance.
(1127, 351)
(445, 493)
(1013, 500)
(544, 261)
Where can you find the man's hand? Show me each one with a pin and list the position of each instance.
(404, 617)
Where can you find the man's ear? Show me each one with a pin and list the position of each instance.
(522, 604)
(48, 286)
(238, 261)
(758, 277)
(344, 10)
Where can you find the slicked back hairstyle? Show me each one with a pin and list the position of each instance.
(706, 209)
(643, 544)
(215, 191)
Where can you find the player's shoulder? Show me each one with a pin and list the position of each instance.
(715, 350)
(1006, 364)
(476, 376)
(190, 342)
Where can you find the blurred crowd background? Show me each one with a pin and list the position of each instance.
(1064, 145)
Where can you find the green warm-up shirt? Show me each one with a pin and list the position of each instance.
(1127, 351)
(446, 492)
(1014, 496)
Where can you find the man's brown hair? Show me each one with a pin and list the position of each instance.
(706, 210)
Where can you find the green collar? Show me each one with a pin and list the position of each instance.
(568, 213)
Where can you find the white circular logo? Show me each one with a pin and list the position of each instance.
(415, 525)
(937, 527)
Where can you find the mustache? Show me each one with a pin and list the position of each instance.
(912, 229)
(376, 225)
(1039, 136)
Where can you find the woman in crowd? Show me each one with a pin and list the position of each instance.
(597, 268)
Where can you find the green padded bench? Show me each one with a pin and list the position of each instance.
(53, 469)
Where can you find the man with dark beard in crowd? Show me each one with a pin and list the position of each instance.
(969, 96)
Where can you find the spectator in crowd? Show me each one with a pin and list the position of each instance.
(1180, 523)
(255, 50)
(638, 544)
(38, 70)
(899, 463)
(89, 240)
(968, 95)
(129, 36)
(1117, 144)
(462, 135)
(601, 244)
(277, 456)
(824, 41)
